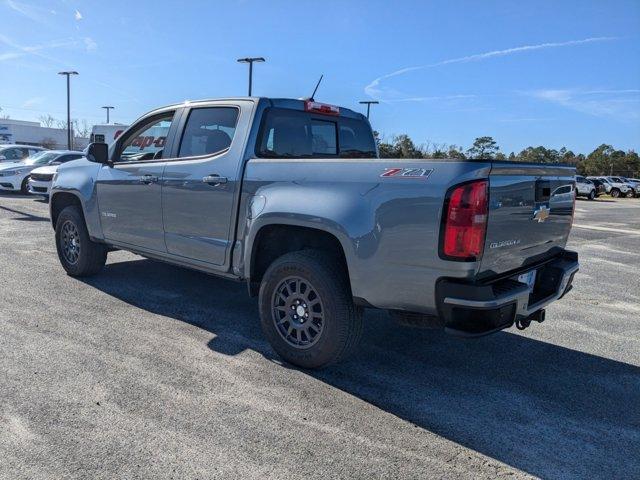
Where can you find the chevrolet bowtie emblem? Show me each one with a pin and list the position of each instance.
(541, 214)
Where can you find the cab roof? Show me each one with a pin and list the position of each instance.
(290, 103)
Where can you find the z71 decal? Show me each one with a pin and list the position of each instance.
(407, 172)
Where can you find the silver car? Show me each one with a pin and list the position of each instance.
(633, 184)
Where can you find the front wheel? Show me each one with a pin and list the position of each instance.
(630, 194)
(615, 193)
(306, 309)
(24, 186)
(78, 255)
(592, 195)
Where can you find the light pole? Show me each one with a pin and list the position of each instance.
(368, 103)
(250, 61)
(68, 75)
(107, 109)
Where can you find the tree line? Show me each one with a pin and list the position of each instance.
(604, 160)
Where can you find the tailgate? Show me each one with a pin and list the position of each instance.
(530, 214)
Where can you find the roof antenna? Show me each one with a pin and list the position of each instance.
(316, 89)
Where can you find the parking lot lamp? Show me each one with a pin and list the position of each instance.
(368, 103)
(250, 61)
(107, 109)
(68, 75)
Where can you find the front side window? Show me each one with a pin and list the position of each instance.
(41, 158)
(67, 158)
(147, 141)
(208, 131)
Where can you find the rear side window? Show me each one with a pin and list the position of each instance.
(289, 133)
(13, 154)
(208, 131)
(323, 138)
(356, 139)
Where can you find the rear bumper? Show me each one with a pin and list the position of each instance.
(479, 309)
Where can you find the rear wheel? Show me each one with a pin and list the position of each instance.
(78, 255)
(592, 195)
(306, 309)
(630, 194)
(615, 193)
(24, 187)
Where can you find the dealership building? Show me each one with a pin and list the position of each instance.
(31, 133)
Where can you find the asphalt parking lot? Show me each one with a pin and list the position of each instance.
(151, 371)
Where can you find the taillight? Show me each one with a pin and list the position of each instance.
(465, 221)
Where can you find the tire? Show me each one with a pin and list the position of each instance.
(333, 323)
(79, 256)
(592, 195)
(630, 194)
(615, 193)
(24, 186)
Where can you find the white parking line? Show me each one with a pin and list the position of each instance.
(607, 229)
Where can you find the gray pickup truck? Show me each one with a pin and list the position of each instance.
(290, 197)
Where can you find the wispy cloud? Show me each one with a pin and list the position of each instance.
(90, 44)
(622, 104)
(433, 98)
(9, 56)
(31, 102)
(374, 89)
(523, 119)
(77, 15)
(21, 50)
(32, 12)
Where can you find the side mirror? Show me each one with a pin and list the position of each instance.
(98, 153)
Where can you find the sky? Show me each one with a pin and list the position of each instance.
(553, 73)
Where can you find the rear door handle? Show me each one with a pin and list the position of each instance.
(148, 179)
(214, 180)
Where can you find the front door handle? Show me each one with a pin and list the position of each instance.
(148, 179)
(215, 180)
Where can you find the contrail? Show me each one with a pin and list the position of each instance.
(372, 89)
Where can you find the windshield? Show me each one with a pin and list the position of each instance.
(40, 158)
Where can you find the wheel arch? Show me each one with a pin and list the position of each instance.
(272, 240)
(61, 200)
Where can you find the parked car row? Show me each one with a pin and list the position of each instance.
(34, 174)
(30, 169)
(592, 187)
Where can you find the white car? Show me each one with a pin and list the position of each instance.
(615, 189)
(10, 153)
(15, 176)
(634, 185)
(40, 179)
(585, 188)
